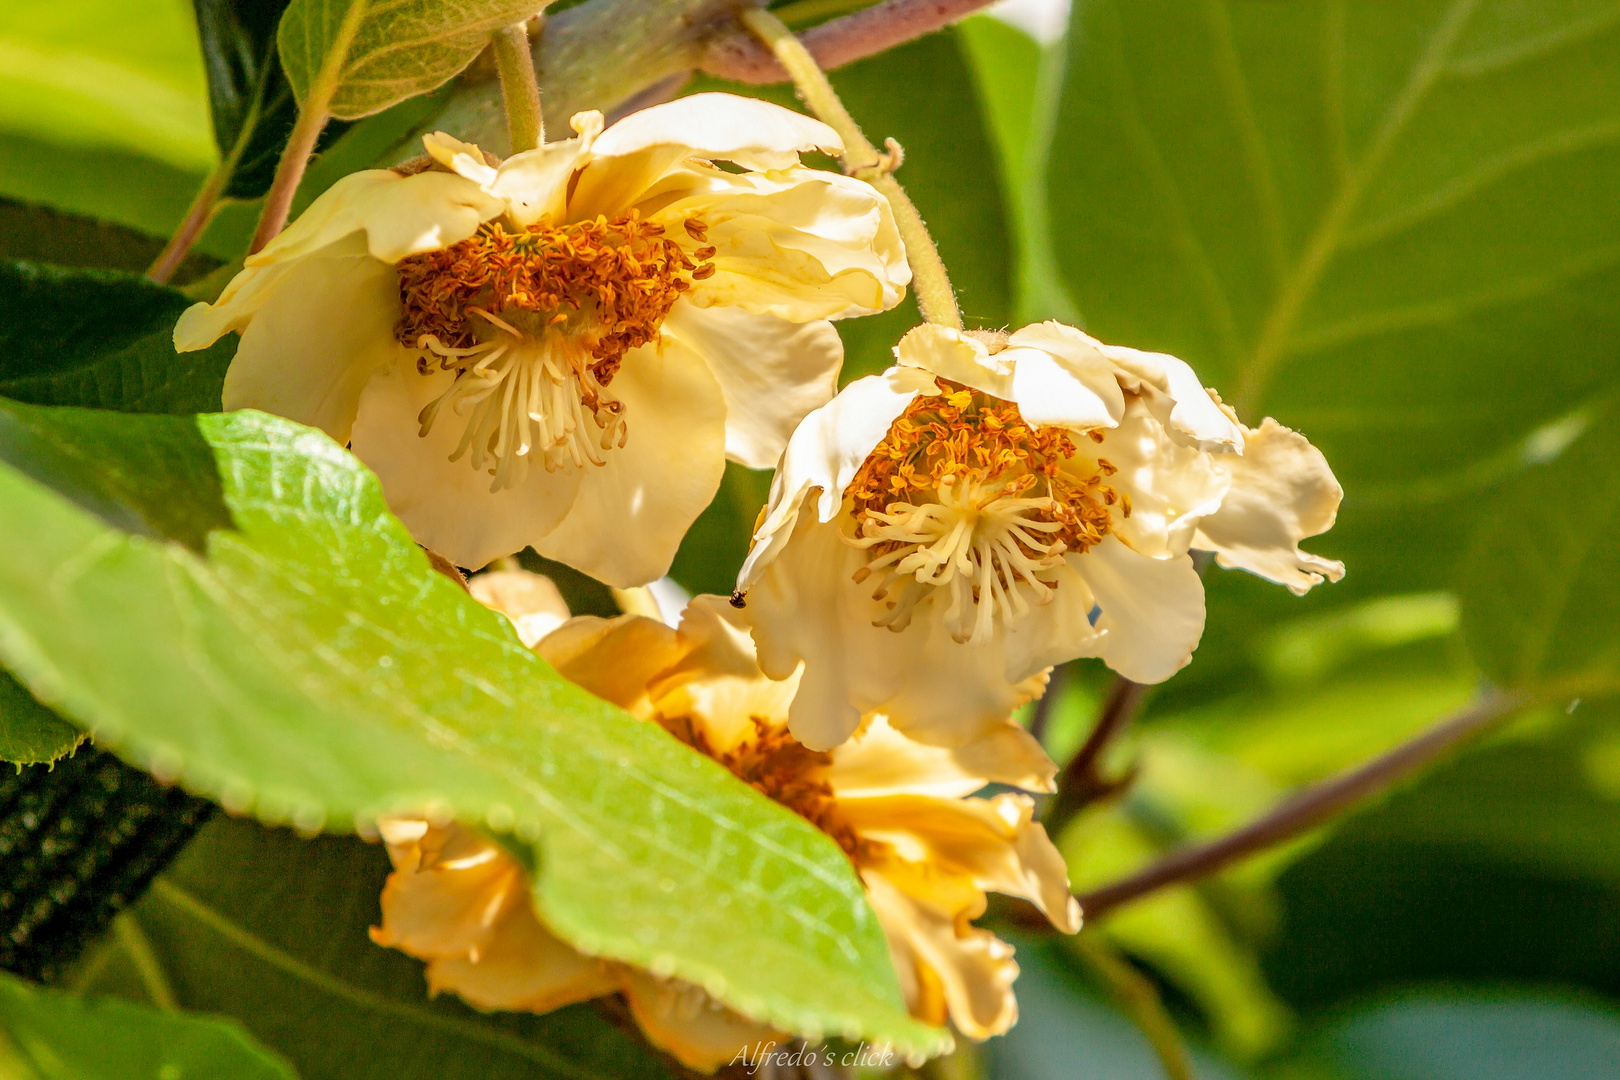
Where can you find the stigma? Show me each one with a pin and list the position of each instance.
(965, 505)
(534, 324)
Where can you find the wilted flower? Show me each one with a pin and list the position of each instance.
(566, 346)
(897, 808)
(987, 509)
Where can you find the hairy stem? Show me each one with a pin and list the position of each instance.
(519, 87)
(1139, 999)
(861, 159)
(289, 172)
(1305, 810)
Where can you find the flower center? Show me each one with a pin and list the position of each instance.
(964, 496)
(781, 768)
(535, 324)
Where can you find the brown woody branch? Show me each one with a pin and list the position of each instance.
(736, 55)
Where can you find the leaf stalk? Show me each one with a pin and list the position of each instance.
(520, 89)
(930, 281)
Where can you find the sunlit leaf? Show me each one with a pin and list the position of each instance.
(29, 732)
(226, 600)
(361, 56)
(59, 1036)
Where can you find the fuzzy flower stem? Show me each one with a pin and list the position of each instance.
(935, 297)
(191, 227)
(519, 87)
(289, 172)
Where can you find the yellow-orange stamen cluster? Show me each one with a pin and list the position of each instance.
(781, 768)
(611, 281)
(966, 436)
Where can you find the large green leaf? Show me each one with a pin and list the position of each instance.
(110, 74)
(357, 57)
(30, 734)
(257, 924)
(1390, 225)
(226, 600)
(103, 339)
(1542, 581)
(58, 1036)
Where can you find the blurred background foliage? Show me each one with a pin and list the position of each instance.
(1393, 227)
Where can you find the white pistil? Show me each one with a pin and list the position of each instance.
(978, 543)
(524, 396)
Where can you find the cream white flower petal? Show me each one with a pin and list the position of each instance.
(447, 504)
(1048, 395)
(800, 243)
(772, 373)
(1282, 491)
(535, 183)
(806, 608)
(953, 355)
(1171, 486)
(463, 158)
(530, 601)
(1052, 634)
(700, 1033)
(319, 335)
(400, 215)
(1081, 358)
(1152, 610)
(724, 127)
(825, 452)
(629, 515)
(996, 843)
(975, 970)
(881, 761)
(1178, 399)
(615, 659)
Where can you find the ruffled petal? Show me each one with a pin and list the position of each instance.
(717, 684)
(535, 183)
(530, 601)
(526, 968)
(630, 514)
(953, 355)
(771, 372)
(321, 328)
(1282, 491)
(801, 244)
(806, 607)
(447, 504)
(1177, 398)
(697, 1031)
(1092, 396)
(825, 452)
(400, 215)
(1152, 610)
(615, 659)
(880, 761)
(1171, 486)
(971, 970)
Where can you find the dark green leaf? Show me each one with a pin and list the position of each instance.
(313, 668)
(103, 339)
(114, 185)
(30, 734)
(257, 924)
(40, 233)
(1542, 583)
(1388, 225)
(58, 1036)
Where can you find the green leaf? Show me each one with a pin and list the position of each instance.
(1542, 581)
(62, 1036)
(248, 94)
(1388, 225)
(1467, 1034)
(352, 58)
(103, 339)
(300, 659)
(40, 233)
(106, 74)
(30, 734)
(257, 924)
(147, 195)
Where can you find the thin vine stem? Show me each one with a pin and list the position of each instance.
(930, 281)
(519, 87)
(198, 215)
(289, 173)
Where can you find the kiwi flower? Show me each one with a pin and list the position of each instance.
(898, 809)
(940, 535)
(567, 345)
